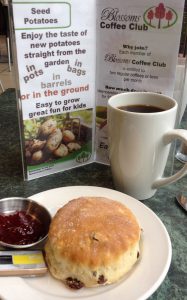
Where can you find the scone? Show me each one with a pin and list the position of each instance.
(92, 241)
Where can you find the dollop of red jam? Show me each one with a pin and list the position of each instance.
(20, 228)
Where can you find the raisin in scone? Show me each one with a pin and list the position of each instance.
(92, 241)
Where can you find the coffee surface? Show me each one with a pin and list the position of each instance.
(141, 108)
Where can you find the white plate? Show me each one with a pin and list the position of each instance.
(140, 283)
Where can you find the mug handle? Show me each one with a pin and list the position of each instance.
(180, 134)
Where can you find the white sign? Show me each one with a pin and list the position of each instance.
(138, 44)
(72, 56)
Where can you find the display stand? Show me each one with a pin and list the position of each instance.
(71, 57)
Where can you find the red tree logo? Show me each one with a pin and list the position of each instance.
(160, 12)
(160, 16)
(150, 15)
(169, 16)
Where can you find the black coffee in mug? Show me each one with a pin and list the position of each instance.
(141, 108)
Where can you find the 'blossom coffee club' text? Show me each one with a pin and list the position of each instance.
(112, 19)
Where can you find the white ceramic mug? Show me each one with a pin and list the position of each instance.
(139, 143)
